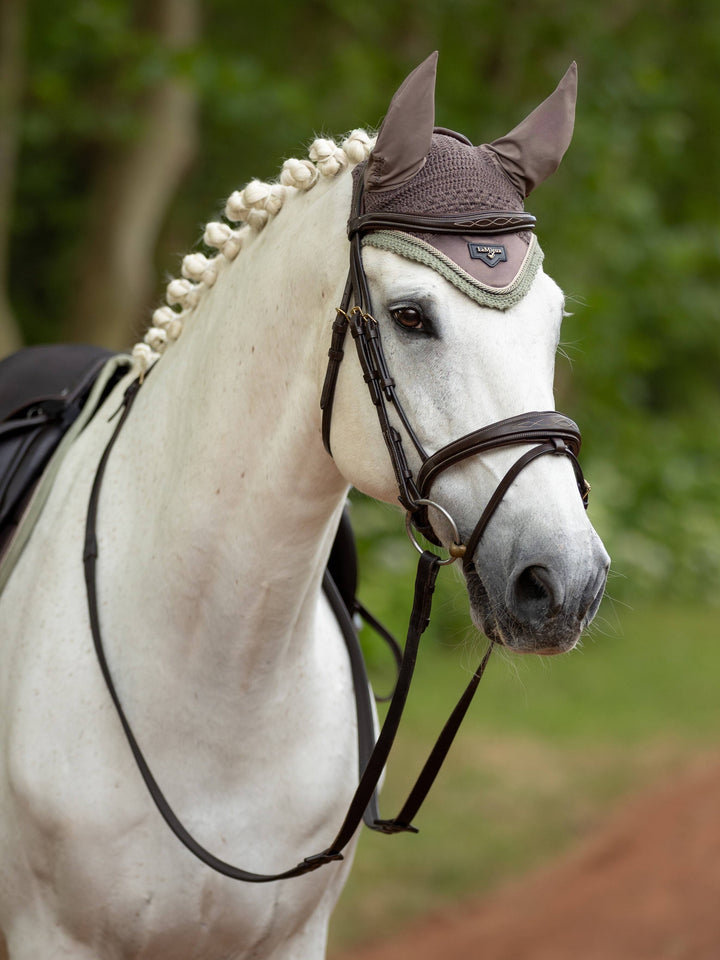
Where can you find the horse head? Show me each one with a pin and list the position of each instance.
(469, 324)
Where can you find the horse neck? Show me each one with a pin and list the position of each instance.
(239, 497)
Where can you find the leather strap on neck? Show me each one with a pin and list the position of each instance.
(372, 757)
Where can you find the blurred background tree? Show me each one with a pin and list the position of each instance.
(123, 125)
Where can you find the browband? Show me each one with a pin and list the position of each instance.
(485, 223)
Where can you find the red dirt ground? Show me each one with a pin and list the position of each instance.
(646, 886)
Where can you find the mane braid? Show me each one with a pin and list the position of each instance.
(249, 210)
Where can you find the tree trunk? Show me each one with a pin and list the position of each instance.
(130, 197)
(12, 21)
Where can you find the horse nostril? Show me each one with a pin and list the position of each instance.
(535, 594)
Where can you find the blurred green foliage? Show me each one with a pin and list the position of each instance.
(629, 224)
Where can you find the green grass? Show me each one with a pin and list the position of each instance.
(548, 745)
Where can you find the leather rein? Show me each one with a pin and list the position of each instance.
(548, 432)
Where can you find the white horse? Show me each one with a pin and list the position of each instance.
(216, 518)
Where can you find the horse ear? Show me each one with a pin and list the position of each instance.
(406, 132)
(534, 149)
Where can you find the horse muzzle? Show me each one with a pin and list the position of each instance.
(545, 602)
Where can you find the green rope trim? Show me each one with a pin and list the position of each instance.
(499, 298)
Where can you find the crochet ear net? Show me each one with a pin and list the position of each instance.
(529, 154)
(532, 151)
(406, 132)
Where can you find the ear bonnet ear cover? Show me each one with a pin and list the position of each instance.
(418, 168)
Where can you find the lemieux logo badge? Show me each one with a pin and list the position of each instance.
(490, 253)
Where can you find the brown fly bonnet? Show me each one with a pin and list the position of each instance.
(416, 166)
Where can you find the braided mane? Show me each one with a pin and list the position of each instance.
(248, 210)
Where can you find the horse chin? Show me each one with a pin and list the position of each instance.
(546, 637)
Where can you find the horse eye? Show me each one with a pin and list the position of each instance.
(409, 317)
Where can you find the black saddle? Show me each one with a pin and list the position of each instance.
(42, 392)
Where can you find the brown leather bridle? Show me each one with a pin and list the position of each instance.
(549, 432)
